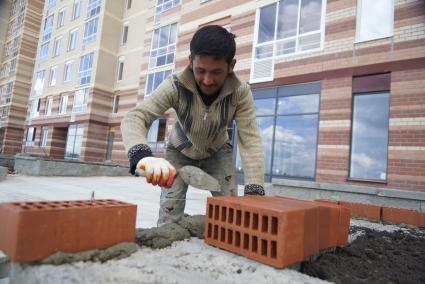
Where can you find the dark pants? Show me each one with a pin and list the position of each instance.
(220, 166)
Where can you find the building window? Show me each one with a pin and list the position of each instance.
(35, 108)
(43, 137)
(164, 5)
(128, 4)
(93, 8)
(57, 46)
(163, 46)
(30, 137)
(39, 82)
(72, 43)
(74, 141)
(51, 3)
(76, 9)
(156, 135)
(84, 73)
(48, 27)
(63, 104)
(110, 145)
(44, 51)
(115, 104)
(154, 79)
(369, 142)
(90, 30)
(125, 33)
(375, 19)
(48, 107)
(288, 120)
(285, 28)
(67, 73)
(61, 18)
(52, 77)
(4, 112)
(120, 68)
(80, 100)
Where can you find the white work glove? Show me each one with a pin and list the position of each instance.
(158, 171)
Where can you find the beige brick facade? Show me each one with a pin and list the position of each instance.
(340, 58)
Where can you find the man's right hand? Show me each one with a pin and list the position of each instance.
(158, 171)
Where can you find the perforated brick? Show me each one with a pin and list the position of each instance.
(274, 230)
(32, 231)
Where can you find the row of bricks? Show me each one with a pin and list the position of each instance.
(274, 230)
(383, 213)
(31, 231)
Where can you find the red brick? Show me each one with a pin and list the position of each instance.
(403, 216)
(368, 211)
(274, 230)
(32, 231)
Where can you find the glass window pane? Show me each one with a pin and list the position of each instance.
(298, 104)
(295, 146)
(265, 106)
(153, 132)
(266, 131)
(285, 47)
(375, 19)
(311, 11)
(287, 19)
(163, 40)
(267, 23)
(370, 136)
(311, 41)
(173, 33)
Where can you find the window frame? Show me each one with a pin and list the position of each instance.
(91, 27)
(125, 30)
(75, 156)
(72, 39)
(359, 17)
(156, 50)
(61, 18)
(67, 71)
(76, 9)
(120, 68)
(350, 177)
(275, 41)
(85, 68)
(63, 104)
(30, 141)
(164, 76)
(53, 75)
(48, 106)
(44, 135)
(57, 46)
(82, 107)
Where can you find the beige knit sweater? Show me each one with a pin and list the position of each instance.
(201, 130)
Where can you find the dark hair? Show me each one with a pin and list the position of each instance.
(213, 40)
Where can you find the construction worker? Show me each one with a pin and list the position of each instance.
(206, 96)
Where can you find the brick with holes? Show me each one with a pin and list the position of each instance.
(274, 230)
(31, 231)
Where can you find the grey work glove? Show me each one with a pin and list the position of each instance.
(253, 189)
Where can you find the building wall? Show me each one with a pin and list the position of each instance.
(23, 24)
(340, 61)
(108, 47)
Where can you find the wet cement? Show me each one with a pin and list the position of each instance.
(164, 236)
(117, 251)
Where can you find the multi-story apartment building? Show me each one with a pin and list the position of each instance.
(86, 74)
(338, 84)
(19, 28)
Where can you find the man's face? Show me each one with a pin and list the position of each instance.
(210, 73)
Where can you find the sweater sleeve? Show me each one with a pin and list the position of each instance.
(136, 123)
(249, 140)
